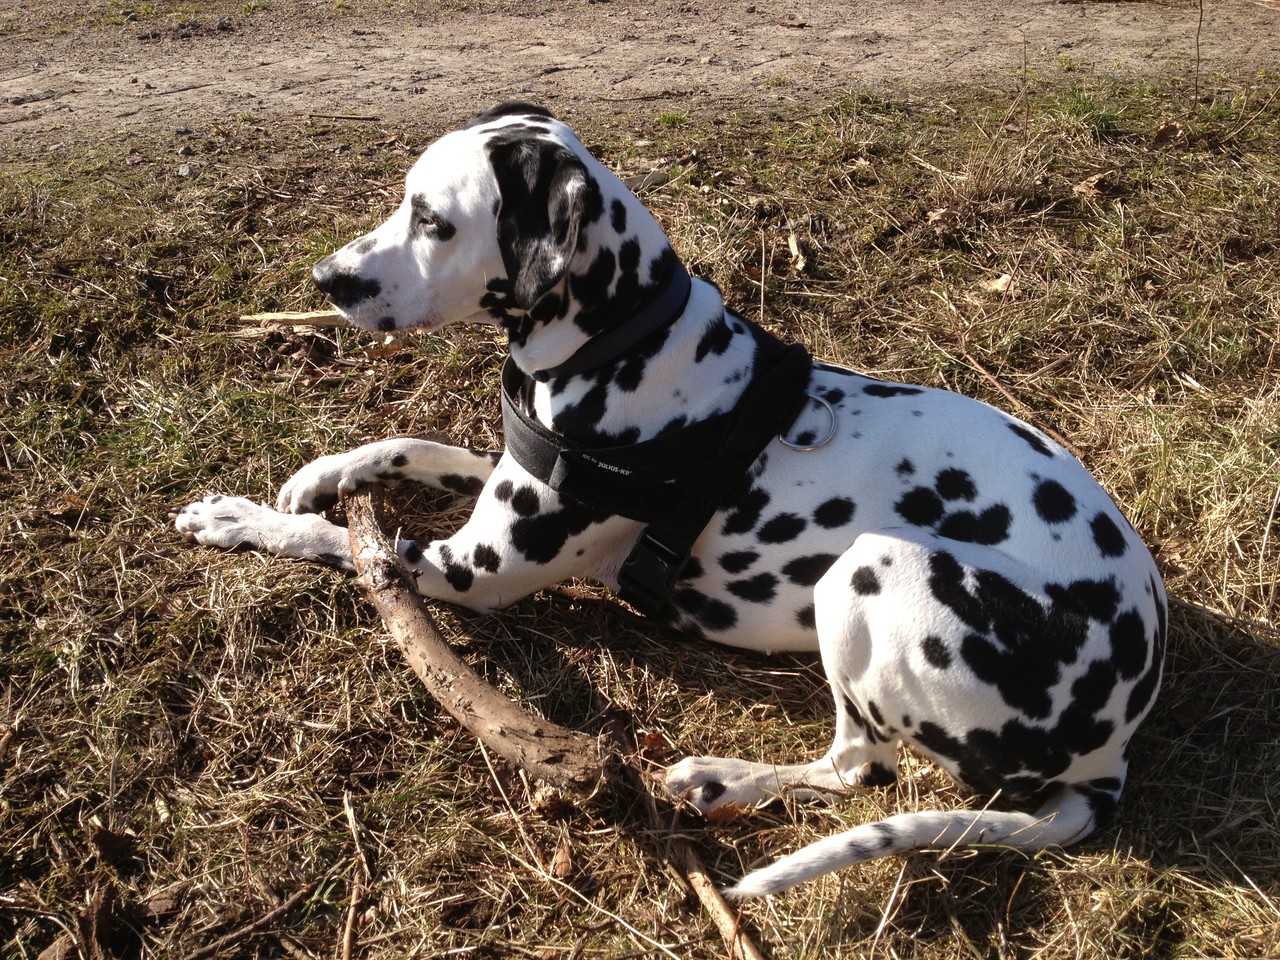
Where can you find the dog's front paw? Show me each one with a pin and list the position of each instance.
(319, 484)
(716, 787)
(221, 521)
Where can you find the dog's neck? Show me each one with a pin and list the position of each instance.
(691, 369)
(614, 362)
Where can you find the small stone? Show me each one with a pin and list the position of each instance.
(184, 169)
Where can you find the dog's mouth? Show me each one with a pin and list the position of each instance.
(386, 323)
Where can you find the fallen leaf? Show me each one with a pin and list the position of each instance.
(562, 860)
(945, 221)
(1004, 285)
(1095, 186)
(1169, 131)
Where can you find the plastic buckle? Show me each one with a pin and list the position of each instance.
(648, 575)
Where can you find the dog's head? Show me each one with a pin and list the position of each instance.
(507, 220)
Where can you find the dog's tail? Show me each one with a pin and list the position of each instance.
(1070, 815)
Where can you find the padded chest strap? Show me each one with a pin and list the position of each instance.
(673, 483)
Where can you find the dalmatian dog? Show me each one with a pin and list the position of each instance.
(971, 589)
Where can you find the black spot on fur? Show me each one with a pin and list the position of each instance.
(835, 512)
(618, 216)
(458, 575)
(865, 582)
(739, 560)
(1033, 439)
(746, 512)
(467, 486)
(427, 222)
(541, 537)
(990, 760)
(504, 490)
(989, 527)
(347, 289)
(806, 571)
(486, 558)
(920, 506)
(400, 460)
(936, 652)
(707, 612)
(1128, 644)
(874, 774)
(953, 484)
(805, 616)
(758, 589)
(890, 390)
(781, 528)
(715, 340)
(1053, 502)
(905, 468)
(833, 395)
(1107, 536)
(862, 722)
(412, 552)
(525, 501)
(1018, 644)
(692, 569)
(711, 792)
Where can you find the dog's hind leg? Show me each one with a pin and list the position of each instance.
(863, 752)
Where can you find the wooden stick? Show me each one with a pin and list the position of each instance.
(727, 920)
(314, 318)
(542, 748)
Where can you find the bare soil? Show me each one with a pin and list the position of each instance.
(72, 75)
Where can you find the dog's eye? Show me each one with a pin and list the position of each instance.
(428, 223)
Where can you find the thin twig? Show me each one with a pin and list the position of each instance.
(1199, 26)
(358, 882)
(254, 926)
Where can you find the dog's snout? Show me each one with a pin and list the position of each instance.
(342, 287)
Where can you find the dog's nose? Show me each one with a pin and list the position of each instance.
(323, 272)
(342, 287)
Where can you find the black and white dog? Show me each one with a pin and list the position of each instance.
(972, 590)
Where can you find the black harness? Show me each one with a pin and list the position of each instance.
(675, 482)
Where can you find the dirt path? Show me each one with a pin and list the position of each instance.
(69, 78)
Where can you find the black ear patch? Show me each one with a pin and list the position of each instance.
(509, 108)
(544, 190)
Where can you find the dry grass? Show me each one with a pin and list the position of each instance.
(235, 731)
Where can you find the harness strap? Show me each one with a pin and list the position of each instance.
(673, 483)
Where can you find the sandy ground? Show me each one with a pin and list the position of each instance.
(72, 76)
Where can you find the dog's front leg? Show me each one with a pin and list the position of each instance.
(319, 484)
(235, 522)
(521, 537)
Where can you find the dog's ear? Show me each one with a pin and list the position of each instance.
(545, 192)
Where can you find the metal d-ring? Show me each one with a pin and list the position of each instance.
(818, 444)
